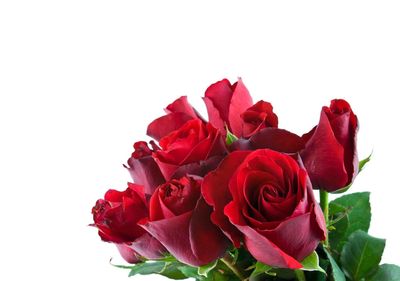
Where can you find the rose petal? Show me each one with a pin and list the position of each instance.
(158, 210)
(260, 247)
(148, 247)
(145, 171)
(241, 100)
(204, 232)
(166, 124)
(299, 243)
(129, 255)
(216, 193)
(214, 116)
(182, 105)
(272, 138)
(218, 97)
(175, 234)
(323, 158)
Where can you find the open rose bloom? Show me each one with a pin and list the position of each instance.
(232, 196)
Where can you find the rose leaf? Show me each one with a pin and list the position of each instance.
(386, 272)
(361, 255)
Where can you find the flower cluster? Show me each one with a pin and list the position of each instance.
(233, 187)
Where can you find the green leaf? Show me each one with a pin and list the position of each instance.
(319, 276)
(337, 273)
(167, 269)
(260, 268)
(339, 221)
(189, 271)
(349, 213)
(362, 163)
(386, 272)
(147, 268)
(230, 138)
(218, 276)
(311, 263)
(205, 269)
(172, 271)
(361, 255)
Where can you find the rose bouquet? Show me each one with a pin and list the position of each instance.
(232, 198)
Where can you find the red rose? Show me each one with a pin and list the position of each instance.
(195, 148)
(330, 154)
(116, 218)
(178, 113)
(180, 220)
(266, 198)
(257, 117)
(142, 167)
(225, 103)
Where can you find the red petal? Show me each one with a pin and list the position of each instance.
(214, 116)
(272, 138)
(241, 100)
(182, 105)
(175, 234)
(148, 247)
(216, 192)
(166, 124)
(260, 247)
(145, 171)
(220, 95)
(207, 241)
(323, 158)
(127, 253)
(295, 236)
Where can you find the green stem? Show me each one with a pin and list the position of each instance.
(300, 275)
(324, 202)
(228, 261)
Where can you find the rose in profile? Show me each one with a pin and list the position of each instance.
(265, 199)
(180, 219)
(116, 217)
(142, 167)
(196, 148)
(225, 103)
(330, 153)
(178, 113)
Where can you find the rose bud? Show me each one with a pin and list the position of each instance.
(257, 117)
(225, 103)
(330, 154)
(180, 219)
(116, 218)
(142, 167)
(178, 113)
(265, 198)
(196, 148)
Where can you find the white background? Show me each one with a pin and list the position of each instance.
(80, 80)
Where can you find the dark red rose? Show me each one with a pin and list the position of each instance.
(195, 148)
(257, 117)
(116, 217)
(330, 154)
(142, 167)
(178, 113)
(180, 220)
(225, 103)
(266, 198)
